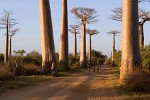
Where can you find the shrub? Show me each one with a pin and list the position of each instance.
(138, 81)
(62, 66)
(31, 69)
(6, 74)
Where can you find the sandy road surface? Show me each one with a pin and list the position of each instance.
(80, 86)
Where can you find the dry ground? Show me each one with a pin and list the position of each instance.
(84, 85)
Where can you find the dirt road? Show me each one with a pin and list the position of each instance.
(80, 86)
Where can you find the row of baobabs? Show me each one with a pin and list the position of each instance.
(130, 34)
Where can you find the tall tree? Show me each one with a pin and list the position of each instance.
(130, 40)
(144, 16)
(114, 33)
(87, 16)
(12, 33)
(90, 32)
(63, 55)
(74, 29)
(48, 47)
(7, 22)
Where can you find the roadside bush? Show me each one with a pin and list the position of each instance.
(31, 69)
(33, 58)
(74, 62)
(62, 67)
(6, 74)
(145, 57)
(138, 81)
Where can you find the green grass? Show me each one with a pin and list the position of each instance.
(21, 81)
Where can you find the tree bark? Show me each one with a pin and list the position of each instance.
(75, 44)
(10, 45)
(6, 41)
(113, 49)
(141, 33)
(63, 57)
(83, 47)
(130, 39)
(89, 52)
(48, 48)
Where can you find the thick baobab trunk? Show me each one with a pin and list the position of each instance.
(48, 48)
(141, 33)
(6, 41)
(113, 49)
(89, 52)
(63, 56)
(130, 39)
(75, 44)
(83, 47)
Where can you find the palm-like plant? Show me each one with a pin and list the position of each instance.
(90, 33)
(87, 16)
(114, 33)
(74, 29)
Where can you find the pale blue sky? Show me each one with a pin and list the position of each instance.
(27, 14)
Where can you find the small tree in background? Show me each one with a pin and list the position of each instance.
(74, 29)
(87, 16)
(114, 33)
(7, 23)
(12, 33)
(144, 16)
(90, 33)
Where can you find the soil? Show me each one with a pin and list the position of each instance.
(84, 85)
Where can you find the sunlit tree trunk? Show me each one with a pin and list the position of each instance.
(113, 49)
(89, 49)
(48, 48)
(83, 47)
(141, 33)
(75, 44)
(130, 39)
(63, 56)
(6, 41)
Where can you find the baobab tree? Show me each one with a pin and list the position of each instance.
(48, 47)
(63, 54)
(87, 16)
(74, 29)
(114, 33)
(12, 33)
(144, 16)
(90, 33)
(7, 23)
(130, 59)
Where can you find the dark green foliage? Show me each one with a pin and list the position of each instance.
(1, 57)
(117, 58)
(145, 57)
(62, 66)
(74, 62)
(33, 58)
(98, 57)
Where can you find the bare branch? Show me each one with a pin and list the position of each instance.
(114, 32)
(86, 15)
(92, 32)
(74, 28)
